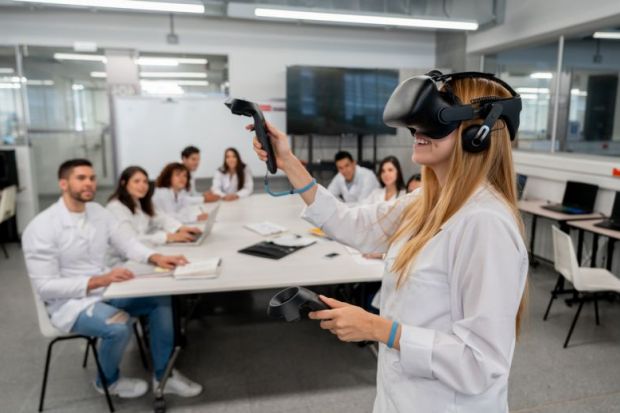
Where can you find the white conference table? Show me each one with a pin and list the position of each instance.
(307, 266)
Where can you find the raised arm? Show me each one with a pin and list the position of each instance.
(364, 227)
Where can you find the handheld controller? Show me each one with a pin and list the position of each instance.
(293, 303)
(251, 109)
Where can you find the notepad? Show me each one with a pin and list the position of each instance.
(203, 268)
(265, 228)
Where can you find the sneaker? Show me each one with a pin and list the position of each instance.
(180, 385)
(126, 388)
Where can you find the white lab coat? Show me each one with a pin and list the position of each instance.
(457, 307)
(60, 257)
(179, 206)
(364, 182)
(225, 184)
(378, 195)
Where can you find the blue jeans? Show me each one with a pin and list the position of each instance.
(114, 330)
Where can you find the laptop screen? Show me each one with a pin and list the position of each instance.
(615, 211)
(580, 195)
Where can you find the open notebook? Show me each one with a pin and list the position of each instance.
(202, 268)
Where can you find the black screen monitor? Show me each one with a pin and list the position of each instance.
(334, 101)
(580, 195)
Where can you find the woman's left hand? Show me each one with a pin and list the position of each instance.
(348, 322)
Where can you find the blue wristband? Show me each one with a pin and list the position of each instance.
(393, 331)
(289, 192)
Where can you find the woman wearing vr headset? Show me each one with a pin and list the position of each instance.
(456, 265)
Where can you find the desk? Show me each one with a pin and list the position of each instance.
(245, 272)
(535, 208)
(589, 226)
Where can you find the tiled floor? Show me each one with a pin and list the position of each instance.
(250, 364)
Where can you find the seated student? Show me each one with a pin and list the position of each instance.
(353, 183)
(64, 248)
(190, 157)
(132, 205)
(391, 180)
(172, 196)
(233, 180)
(414, 182)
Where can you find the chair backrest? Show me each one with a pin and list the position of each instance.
(565, 260)
(8, 203)
(45, 325)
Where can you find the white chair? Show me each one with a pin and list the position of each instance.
(49, 331)
(590, 283)
(7, 208)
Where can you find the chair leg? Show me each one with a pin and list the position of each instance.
(86, 356)
(572, 327)
(92, 342)
(6, 253)
(553, 297)
(48, 358)
(140, 345)
(598, 321)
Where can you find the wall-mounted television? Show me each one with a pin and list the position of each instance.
(334, 101)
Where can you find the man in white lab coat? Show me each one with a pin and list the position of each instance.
(353, 183)
(190, 157)
(65, 248)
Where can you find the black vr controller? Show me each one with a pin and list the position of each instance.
(293, 303)
(251, 109)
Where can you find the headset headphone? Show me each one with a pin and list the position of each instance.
(419, 104)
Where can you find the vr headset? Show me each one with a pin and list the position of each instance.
(420, 104)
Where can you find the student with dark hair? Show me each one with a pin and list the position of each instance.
(353, 183)
(132, 205)
(64, 247)
(390, 177)
(171, 194)
(414, 182)
(190, 157)
(233, 180)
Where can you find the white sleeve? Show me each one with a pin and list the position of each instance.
(165, 222)
(488, 272)
(248, 184)
(365, 227)
(125, 241)
(41, 253)
(124, 218)
(216, 187)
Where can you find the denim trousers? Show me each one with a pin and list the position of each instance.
(110, 321)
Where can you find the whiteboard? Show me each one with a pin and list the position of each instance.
(152, 131)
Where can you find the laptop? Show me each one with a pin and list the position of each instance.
(205, 227)
(613, 222)
(578, 199)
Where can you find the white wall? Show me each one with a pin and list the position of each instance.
(536, 21)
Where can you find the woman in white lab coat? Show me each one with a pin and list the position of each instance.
(233, 180)
(390, 176)
(172, 195)
(132, 205)
(456, 266)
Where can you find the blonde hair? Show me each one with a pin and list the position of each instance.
(423, 218)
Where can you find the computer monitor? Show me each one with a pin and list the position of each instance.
(580, 195)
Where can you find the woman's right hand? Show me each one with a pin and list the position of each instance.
(180, 236)
(279, 142)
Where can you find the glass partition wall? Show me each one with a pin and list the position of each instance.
(57, 101)
(572, 105)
